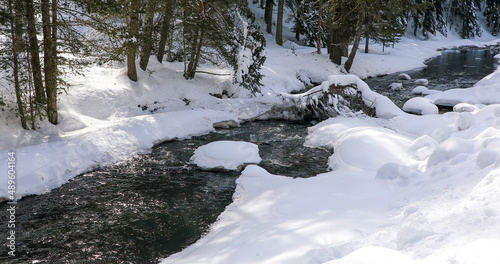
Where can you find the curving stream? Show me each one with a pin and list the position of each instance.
(150, 206)
(455, 68)
(156, 204)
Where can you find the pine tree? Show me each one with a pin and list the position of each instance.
(146, 37)
(492, 14)
(132, 41)
(279, 23)
(34, 50)
(268, 15)
(16, 40)
(434, 20)
(166, 27)
(463, 14)
(49, 26)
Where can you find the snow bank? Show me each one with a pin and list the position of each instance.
(53, 163)
(398, 192)
(484, 92)
(229, 155)
(420, 106)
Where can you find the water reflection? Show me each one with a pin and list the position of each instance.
(152, 205)
(459, 68)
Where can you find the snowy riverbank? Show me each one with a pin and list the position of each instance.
(424, 186)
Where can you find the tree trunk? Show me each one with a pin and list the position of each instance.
(147, 38)
(337, 37)
(132, 44)
(49, 25)
(357, 39)
(320, 31)
(367, 43)
(195, 52)
(34, 51)
(262, 4)
(16, 36)
(279, 25)
(165, 29)
(268, 15)
(297, 31)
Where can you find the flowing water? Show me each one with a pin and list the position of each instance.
(457, 68)
(156, 204)
(152, 205)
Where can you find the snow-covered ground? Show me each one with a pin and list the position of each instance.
(403, 188)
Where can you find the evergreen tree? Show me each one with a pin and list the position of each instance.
(434, 20)
(492, 14)
(463, 15)
(268, 15)
(279, 23)
(428, 15)
(49, 27)
(381, 20)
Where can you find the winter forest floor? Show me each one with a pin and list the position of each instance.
(413, 189)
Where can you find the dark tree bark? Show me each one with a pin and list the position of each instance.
(132, 44)
(279, 25)
(147, 38)
(165, 29)
(49, 25)
(320, 31)
(357, 39)
(268, 15)
(16, 36)
(34, 51)
(367, 43)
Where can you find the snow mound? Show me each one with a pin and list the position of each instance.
(229, 155)
(422, 82)
(420, 106)
(404, 76)
(465, 107)
(396, 86)
(419, 90)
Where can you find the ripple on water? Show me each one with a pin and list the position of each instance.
(150, 206)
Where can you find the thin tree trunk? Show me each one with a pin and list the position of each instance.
(297, 29)
(268, 15)
(165, 30)
(198, 51)
(279, 25)
(147, 41)
(16, 39)
(132, 44)
(49, 25)
(357, 39)
(191, 69)
(320, 31)
(262, 4)
(367, 43)
(34, 50)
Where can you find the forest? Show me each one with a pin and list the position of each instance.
(41, 41)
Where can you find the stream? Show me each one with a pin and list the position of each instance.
(150, 206)
(156, 204)
(455, 68)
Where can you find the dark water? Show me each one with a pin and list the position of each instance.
(151, 206)
(459, 68)
(156, 204)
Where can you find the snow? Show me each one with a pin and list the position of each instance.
(229, 155)
(402, 189)
(404, 76)
(420, 106)
(420, 90)
(396, 86)
(423, 82)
